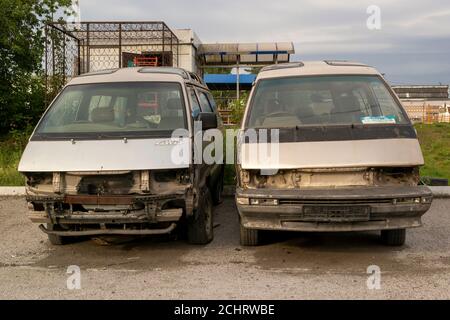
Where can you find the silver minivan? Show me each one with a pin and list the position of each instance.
(103, 160)
(347, 156)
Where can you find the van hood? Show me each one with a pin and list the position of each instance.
(106, 155)
(332, 154)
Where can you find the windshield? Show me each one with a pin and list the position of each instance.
(132, 107)
(323, 100)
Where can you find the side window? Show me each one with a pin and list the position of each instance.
(212, 102)
(204, 103)
(195, 105)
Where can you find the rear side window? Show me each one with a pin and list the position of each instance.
(212, 102)
(204, 102)
(195, 105)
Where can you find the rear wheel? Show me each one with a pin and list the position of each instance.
(394, 237)
(54, 239)
(249, 237)
(200, 225)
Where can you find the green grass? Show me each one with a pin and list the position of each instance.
(435, 142)
(434, 139)
(10, 152)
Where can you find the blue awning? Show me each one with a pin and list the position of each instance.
(228, 81)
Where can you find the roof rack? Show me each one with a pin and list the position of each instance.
(283, 66)
(344, 63)
(167, 70)
(186, 75)
(196, 78)
(98, 73)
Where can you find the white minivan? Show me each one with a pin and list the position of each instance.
(347, 156)
(103, 158)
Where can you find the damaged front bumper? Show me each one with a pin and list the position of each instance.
(127, 214)
(331, 210)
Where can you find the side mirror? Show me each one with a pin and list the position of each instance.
(208, 119)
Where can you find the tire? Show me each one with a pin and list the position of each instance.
(217, 191)
(55, 239)
(395, 237)
(249, 237)
(200, 225)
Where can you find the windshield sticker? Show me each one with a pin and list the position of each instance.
(379, 119)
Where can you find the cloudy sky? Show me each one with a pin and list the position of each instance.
(412, 46)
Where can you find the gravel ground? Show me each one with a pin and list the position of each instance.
(286, 266)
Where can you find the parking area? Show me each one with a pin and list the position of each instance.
(285, 266)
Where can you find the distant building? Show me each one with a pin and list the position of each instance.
(428, 92)
(425, 103)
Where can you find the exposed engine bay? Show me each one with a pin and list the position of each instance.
(330, 178)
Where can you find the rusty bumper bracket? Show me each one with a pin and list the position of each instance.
(109, 231)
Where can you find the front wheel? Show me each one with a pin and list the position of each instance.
(394, 237)
(249, 237)
(200, 225)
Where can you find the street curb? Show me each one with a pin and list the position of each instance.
(228, 191)
(12, 191)
(440, 192)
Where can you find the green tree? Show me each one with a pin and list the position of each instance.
(22, 45)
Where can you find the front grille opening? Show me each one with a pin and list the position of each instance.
(106, 184)
(165, 176)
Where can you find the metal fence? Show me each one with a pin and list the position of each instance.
(226, 100)
(428, 114)
(75, 48)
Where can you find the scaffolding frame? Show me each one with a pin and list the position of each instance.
(72, 49)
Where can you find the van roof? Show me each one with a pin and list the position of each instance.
(139, 74)
(306, 68)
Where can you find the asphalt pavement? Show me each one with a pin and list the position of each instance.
(285, 266)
